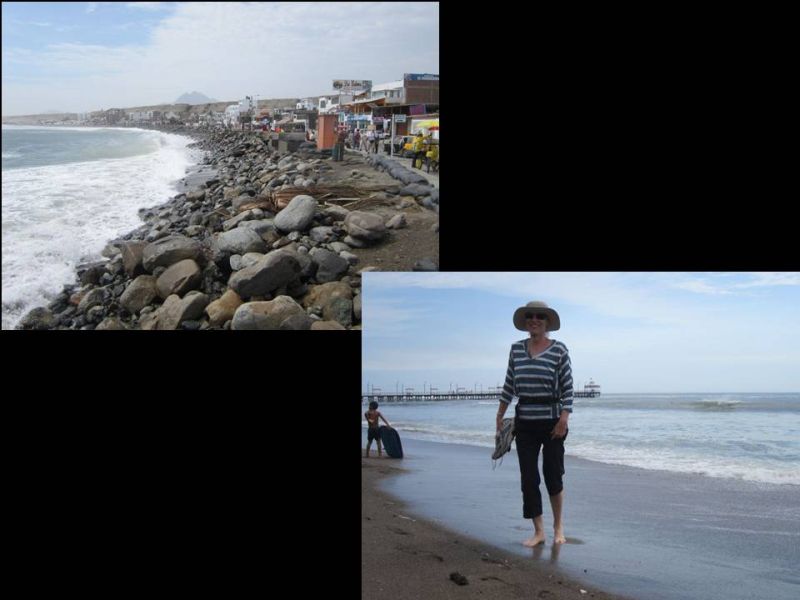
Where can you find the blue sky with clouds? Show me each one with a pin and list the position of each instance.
(82, 56)
(630, 332)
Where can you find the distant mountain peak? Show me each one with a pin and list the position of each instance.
(194, 98)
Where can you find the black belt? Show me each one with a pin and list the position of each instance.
(538, 400)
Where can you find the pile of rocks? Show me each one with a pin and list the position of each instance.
(209, 259)
(416, 184)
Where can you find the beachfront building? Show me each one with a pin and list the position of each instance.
(305, 104)
(332, 102)
(142, 116)
(393, 92)
(420, 88)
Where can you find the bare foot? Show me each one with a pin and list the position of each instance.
(559, 536)
(534, 541)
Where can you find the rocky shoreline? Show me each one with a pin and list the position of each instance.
(256, 239)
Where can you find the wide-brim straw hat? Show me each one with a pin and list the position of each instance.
(553, 320)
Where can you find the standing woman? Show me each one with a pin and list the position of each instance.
(540, 375)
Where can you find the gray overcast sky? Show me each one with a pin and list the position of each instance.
(82, 56)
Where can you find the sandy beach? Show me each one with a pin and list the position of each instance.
(635, 533)
(405, 556)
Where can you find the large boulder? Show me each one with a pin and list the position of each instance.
(169, 250)
(266, 315)
(240, 241)
(39, 318)
(93, 298)
(330, 266)
(175, 311)
(365, 226)
(179, 278)
(141, 292)
(223, 309)
(261, 226)
(275, 270)
(297, 215)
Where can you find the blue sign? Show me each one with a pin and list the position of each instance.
(420, 77)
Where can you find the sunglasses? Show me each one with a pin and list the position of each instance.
(540, 316)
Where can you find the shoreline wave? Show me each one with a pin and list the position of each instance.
(58, 216)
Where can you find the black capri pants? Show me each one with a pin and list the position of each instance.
(530, 436)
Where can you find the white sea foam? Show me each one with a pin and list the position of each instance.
(55, 217)
(759, 470)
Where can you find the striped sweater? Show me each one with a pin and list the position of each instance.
(542, 376)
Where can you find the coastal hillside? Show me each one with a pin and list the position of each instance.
(194, 98)
(185, 108)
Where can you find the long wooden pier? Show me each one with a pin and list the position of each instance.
(383, 398)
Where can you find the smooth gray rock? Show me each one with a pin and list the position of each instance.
(141, 292)
(397, 222)
(240, 241)
(261, 226)
(91, 299)
(297, 215)
(183, 276)
(132, 258)
(265, 315)
(176, 310)
(321, 234)
(330, 266)
(39, 318)
(275, 270)
(169, 250)
(365, 226)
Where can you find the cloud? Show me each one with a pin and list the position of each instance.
(147, 5)
(701, 287)
(721, 284)
(229, 50)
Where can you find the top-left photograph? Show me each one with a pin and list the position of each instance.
(196, 166)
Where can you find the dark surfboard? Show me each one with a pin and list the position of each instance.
(391, 442)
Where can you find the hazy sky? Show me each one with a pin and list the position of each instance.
(82, 56)
(630, 332)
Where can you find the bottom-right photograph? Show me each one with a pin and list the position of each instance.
(598, 434)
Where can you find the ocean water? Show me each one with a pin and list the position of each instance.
(66, 192)
(750, 437)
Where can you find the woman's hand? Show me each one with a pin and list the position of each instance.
(560, 430)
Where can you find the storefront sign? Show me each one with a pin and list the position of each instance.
(420, 77)
(350, 85)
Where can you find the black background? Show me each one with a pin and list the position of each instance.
(227, 462)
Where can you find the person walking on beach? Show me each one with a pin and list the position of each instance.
(373, 431)
(540, 375)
